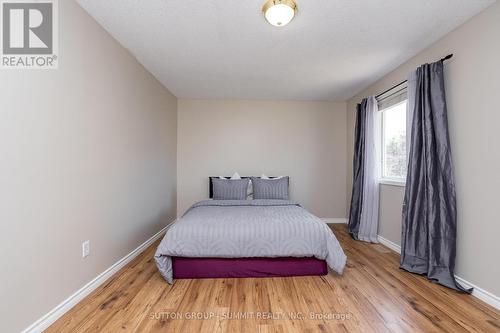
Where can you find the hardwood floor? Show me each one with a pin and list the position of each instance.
(372, 295)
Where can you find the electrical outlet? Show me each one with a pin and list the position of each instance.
(86, 248)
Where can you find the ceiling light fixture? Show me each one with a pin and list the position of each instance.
(279, 12)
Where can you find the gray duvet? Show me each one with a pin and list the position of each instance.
(248, 228)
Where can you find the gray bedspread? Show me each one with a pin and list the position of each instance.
(248, 228)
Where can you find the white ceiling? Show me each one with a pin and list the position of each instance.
(225, 49)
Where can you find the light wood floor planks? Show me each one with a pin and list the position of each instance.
(373, 295)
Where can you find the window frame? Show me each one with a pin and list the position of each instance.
(382, 179)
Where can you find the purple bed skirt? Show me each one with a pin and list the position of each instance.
(196, 268)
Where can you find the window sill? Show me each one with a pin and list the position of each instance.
(392, 182)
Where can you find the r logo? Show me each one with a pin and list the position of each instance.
(27, 28)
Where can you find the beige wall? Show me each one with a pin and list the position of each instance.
(472, 86)
(304, 140)
(88, 152)
(391, 202)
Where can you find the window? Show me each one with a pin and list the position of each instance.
(393, 137)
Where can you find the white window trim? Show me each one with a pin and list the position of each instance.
(392, 182)
(387, 180)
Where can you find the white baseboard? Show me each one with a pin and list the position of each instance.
(44, 322)
(334, 220)
(478, 292)
(393, 246)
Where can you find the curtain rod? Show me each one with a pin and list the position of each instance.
(403, 82)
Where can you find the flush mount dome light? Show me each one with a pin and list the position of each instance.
(279, 12)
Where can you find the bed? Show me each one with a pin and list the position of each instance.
(248, 238)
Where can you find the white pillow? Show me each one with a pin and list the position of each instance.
(266, 177)
(234, 176)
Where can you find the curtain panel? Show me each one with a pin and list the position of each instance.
(429, 228)
(363, 216)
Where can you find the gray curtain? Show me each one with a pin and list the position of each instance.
(428, 242)
(368, 224)
(363, 217)
(358, 170)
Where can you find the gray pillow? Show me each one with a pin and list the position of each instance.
(270, 188)
(229, 189)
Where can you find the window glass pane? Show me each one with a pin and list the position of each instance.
(394, 142)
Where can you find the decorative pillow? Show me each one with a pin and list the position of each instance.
(270, 188)
(237, 176)
(229, 189)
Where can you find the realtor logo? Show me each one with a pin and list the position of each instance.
(29, 34)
